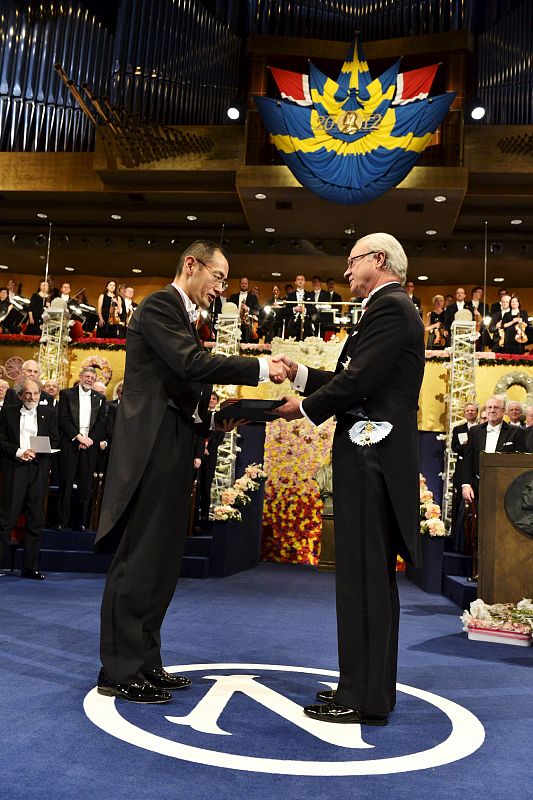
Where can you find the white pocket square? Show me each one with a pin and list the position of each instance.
(43, 403)
(366, 432)
(508, 444)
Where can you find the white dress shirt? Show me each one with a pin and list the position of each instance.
(85, 411)
(492, 438)
(28, 427)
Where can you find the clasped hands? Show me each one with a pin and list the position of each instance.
(290, 409)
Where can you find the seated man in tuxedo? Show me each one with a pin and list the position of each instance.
(25, 473)
(82, 416)
(493, 436)
(515, 412)
(248, 305)
(299, 310)
(30, 369)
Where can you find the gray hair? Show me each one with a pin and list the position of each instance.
(395, 257)
(19, 387)
(514, 403)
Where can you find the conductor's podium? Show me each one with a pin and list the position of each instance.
(505, 527)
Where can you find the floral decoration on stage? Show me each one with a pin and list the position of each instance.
(238, 494)
(430, 521)
(292, 520)
(506, 622)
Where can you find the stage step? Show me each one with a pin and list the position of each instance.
(195, 567)
(459, 590)
(457, 564)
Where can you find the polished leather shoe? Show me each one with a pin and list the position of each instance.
(334, 712)
(34, 574)
(326, 695)
(59, 528)
(134, 692)
(164, 680)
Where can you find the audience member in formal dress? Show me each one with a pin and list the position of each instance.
(289, 288)
(109, 311)
(410, 292)
(319, 295)
(25, 473)
(460, 432)
(449, 300)
(459, 304)
(4, 301)
(459, 442)
(528, 432)
(271, 316)
(495, 307)
(128, 304)
(515, 412)
(515, 324)
(437, 333)
(53, 290)
(248, 305)
(29, 369)
(81, 415)
(333, 296)
(51, 387)
(298, 310)
(494, 436)
(480, 311)
(482, 414)
(38, 302)
(208, 463)
(4, 388)
(495, 327)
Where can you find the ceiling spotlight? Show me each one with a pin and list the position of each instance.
(136, 270)
(499, 280)
(440, 198)
(191, 218)
(294, 243)
(249, 242)
(419, 246)
(63, 240)
(496, 248)
(422, 278)
(319, 244)
(344, 244)
(151, 242)
(40, 240)
(260, 196)
(4, 266)
(516, 221)
(69, 269)
(131, 242)
(276, 274)
(271, 243)
(350, 231)
(233, 112)
(431, 232)
(468, 247)
(86, 241)
(108, 242)
(477, 110)
(15, 239)
(175, 242)
(42, 216)
(524, 248)
(444, 246)
(116, 216)
(270, 230)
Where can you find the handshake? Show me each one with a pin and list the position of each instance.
(281, 368)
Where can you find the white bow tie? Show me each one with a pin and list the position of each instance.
(492, 429)
(28, 412)
(193, 315)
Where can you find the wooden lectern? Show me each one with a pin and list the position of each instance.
(505, 550)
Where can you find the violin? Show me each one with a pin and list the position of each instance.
(438, 338)
(114, 318)
(521, 335)
(501, 334)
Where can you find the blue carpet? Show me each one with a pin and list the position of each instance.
(463, 723)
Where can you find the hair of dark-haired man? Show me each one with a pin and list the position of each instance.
(289, 287)
(201, 249)
(316, 278)
(476, 289)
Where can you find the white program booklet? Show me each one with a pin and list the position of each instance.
(41, 444)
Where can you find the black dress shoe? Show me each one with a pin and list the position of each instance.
(59, 528)
(34, 574)
(333, 712)
(164, 680)
(134, 692)
(326, 695)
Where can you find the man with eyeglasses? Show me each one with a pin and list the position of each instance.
(373, 393)
(167, 386)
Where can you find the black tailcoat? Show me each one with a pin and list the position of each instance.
(24, 484)
(147, 495)
(510, 440)
(375, 489)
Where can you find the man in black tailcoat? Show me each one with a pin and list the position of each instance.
(299, 310)
(146, 504)
(248, 305)
(493, 436)
(81, 417)
(374, 395)
(25, 473)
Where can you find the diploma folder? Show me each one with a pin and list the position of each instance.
(256, 410)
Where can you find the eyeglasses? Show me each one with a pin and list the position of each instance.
(218, 278)
(351, 259)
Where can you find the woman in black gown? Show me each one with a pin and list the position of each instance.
(515, 325)
(38, 302)
(435, 325)
(109, 311)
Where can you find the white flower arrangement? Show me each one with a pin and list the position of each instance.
(517, 619)
(237, 495)
(224, 513)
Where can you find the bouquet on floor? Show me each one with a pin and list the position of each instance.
(500, 622)
(430, 521)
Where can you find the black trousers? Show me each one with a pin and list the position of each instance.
(76, 466)
(368, 609)
(145, 570)
(23, 490)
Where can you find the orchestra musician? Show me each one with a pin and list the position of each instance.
(298, 310)
(515, 324)
(248, 305)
